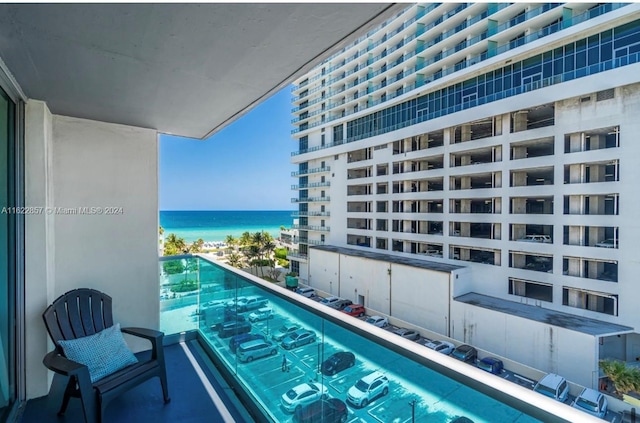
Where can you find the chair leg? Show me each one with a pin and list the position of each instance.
(71, 386)
(165, 385)
(90, 403)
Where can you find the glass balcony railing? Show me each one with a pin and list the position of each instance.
(243, 323)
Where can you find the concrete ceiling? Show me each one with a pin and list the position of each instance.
(184, 69)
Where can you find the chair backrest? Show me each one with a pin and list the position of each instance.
(77, 313)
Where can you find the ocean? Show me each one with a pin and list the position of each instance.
(216, 225)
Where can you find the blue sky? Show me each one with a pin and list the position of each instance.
(245, 166)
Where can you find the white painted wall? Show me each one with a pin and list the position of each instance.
(420, 296)
(324, 271)
(369, 277)
(412, 294)
(74, 162)
(549, 348)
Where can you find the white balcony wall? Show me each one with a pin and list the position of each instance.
(73, 163)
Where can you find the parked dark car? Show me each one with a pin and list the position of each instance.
(330, 410)
(234, 328)
(465, 353)
(491, 365)
(228, 318)
(337, 363)
(235, 341)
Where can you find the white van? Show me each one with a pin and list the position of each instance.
(263, 313)
(251, 350)
(306, 292)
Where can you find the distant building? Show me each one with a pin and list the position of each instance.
(497, 137)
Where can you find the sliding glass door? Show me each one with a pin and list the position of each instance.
(8, 257)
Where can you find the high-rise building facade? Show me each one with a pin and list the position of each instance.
(495, 136)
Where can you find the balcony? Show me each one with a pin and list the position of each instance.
(214, 298)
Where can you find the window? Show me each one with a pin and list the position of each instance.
(588, 300)
(531, 289)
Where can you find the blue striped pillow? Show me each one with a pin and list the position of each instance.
(103, 353)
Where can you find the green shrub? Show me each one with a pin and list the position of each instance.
(280, 253)
(185, 286)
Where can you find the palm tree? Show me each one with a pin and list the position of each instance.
(626, 379)
(231, 242)
(257, 240)
(174, 246)
(234, 259)
(269, 247)
(245, 239)
(196, 247)
(252, 252)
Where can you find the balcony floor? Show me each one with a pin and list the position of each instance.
(190, 399)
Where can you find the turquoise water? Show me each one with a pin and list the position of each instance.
(216, 225)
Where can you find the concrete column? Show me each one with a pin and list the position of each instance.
(520, 120)
(575, 173)
(575, 269)
(497, 154)
(596, 204)
(465, 160)
(519, 261)
(465, 254)
(597, 141)
(576, 237)
(519, 205)
(576, 204)
(519, 152)
(39, 243)
(465, 229)
(497, 125)
(497, 180)
(596, 234)
(466, 132)
(575, 142)
(518, 231)
(465, 182)
(595, 268)
(465, 206)
(519, 179)
(596, 173)
(497, 205)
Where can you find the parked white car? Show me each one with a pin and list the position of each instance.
(443, 347)
(367, 389)
(378, 321)
(592, 402)
(553, 386)
(302, 394)
(536, 238)
(607, 243)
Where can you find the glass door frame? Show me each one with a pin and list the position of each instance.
(16, 273)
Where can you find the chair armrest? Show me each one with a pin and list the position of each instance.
(149, 334)
(154, 336)
(58, 363)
